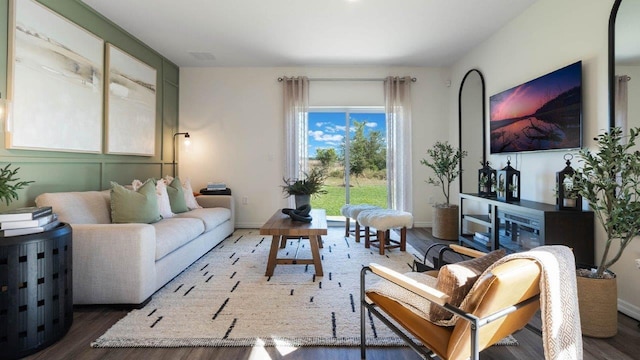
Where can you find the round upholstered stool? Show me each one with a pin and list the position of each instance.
(350, 211)
(383, 220)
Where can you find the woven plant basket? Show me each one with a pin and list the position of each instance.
(445, 222)
(598, 301)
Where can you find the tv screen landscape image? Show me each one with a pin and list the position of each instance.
(541, 114)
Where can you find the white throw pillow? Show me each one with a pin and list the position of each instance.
(136, 184)
(163, 197)
(188, 195)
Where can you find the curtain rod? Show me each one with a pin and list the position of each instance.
(280, 79)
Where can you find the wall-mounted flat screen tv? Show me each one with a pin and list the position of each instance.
(541, 114)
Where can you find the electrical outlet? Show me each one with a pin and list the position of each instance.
(245, 200)
(638, 263)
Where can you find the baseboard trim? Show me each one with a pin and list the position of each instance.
(629, 309)
(249, 225)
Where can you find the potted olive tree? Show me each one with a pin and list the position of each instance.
(444, 160)
(609, 181)
(311, 185)
(9, 184)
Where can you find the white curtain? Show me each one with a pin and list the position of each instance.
(397, 95)
(296, 110)
(621, 102)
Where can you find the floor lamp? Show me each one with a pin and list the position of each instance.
(187, 141)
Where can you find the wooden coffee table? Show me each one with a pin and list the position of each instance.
(280, 227)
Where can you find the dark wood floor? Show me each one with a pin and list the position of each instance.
(91, 322)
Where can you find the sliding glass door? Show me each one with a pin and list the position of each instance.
(350, 144)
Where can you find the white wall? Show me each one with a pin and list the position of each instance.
(234, 116)
(546, 37)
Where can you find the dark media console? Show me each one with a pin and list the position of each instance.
(520, 226)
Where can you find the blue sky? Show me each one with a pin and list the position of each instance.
(327, 129)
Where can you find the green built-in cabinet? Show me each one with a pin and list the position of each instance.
(65, 171)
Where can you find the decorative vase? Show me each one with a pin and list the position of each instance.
(598, 302)
(302, 200)
(445, 222)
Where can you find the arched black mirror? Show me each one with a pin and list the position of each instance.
(471, 118)
(624, 64)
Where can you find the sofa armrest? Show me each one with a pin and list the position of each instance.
(113, 263)
(225, 201)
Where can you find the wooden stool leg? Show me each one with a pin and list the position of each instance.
(381, 241)
(283, 242)
(320, 242)
(367, 244)
(357, 231)
(403, 239)
(387, 235)
(347, 225)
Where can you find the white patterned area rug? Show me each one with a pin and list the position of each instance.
(224, 299)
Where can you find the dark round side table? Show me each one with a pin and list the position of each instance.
(36, 300)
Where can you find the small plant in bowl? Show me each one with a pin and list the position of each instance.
(311, 185)
(9, 184)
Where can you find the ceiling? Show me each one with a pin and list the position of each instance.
(205, 33)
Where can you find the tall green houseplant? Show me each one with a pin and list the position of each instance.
(444, 160)
(610, 181)
(445, 163)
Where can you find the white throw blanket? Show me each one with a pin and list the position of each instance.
(561, 333)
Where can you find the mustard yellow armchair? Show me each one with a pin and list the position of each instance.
(504, 301)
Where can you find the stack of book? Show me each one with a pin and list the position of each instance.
(216, 186)
(216, 189)
(29, 220)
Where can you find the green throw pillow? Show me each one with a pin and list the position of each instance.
(176, 197)
(128, 206)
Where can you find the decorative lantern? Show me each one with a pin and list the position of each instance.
(486, 180)
(566, 199)
(508, 183)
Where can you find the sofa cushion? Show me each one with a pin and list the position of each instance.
(174, 232)
(128, 206)
(211, 217)
(176, 195)
(81, 207)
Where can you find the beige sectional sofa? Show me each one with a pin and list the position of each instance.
(127, 263)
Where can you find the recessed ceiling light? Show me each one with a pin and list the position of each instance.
(203, 56)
